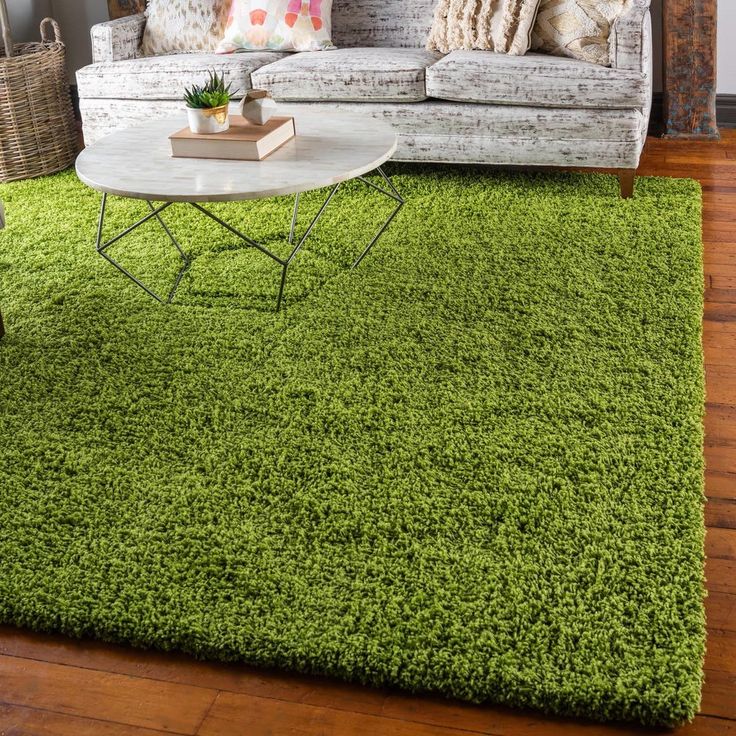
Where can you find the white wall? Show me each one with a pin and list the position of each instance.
(726, 47)
(76, 17)
(25, 15)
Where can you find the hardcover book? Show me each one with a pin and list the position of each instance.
(244, 141)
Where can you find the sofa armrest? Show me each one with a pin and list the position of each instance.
(631, 50)
(119, 39)
(631, 42)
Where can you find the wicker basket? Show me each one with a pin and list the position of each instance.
(37, 129)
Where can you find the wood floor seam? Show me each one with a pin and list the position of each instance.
(15, 732)
(207, 712)
(96, 669)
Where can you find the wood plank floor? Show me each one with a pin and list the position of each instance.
(53, 686)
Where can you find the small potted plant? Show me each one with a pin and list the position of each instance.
(207, 105)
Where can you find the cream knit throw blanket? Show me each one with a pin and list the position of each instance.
(504, 26)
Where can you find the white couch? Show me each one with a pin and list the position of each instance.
(465, 107)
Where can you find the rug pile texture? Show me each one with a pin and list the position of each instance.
(473, 466)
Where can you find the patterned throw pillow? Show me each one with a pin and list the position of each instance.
(179, 26)
(278, 25)
(504, 26)
(577, 28)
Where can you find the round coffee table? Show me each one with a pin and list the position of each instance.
(329, 149)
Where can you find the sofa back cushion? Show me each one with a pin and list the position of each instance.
(176, 26)
(391, 23)
(504, 26)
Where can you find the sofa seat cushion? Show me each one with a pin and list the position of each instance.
(354, 74)
(536, 80)
(165, 77)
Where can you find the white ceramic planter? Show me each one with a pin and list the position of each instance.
(257, 110)
(208, 121)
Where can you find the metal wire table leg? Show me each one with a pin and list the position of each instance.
(248, 241)
(154, 213)
(393, 194)
(284, 263)
(293, 219)
(301, 242)
(387, 189)
(168, 232)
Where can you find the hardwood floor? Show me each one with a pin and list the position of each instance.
(53, 686)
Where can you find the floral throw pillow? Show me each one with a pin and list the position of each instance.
(180, 26)
(278, 25)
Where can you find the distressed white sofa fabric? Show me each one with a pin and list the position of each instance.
(163, 77)
(466, 106)
(352, 74)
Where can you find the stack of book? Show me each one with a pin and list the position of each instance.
(244, 141)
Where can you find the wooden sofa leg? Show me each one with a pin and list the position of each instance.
(626, 180)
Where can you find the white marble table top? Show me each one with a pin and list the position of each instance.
(329, 148)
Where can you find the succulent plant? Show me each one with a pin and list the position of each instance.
(213, 93)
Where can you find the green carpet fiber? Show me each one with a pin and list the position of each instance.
(473, 466)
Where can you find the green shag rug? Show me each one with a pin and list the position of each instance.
(473, 466)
